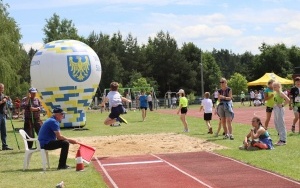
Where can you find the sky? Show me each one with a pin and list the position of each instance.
(236, 25)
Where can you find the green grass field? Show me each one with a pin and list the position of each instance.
(283, 160)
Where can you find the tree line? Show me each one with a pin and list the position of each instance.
(160, 62)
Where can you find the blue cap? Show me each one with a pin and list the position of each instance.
(58, 110)
(33, 90)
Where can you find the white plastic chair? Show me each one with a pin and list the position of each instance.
(28, 152)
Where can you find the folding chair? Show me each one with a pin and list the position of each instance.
(29, 152)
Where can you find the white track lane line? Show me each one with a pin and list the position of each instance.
(107, 175)
(257, 168)
(132, 163)
(196, 179)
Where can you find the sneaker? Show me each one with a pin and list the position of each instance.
(293, 128)
(242, 147)
(226, 136)
(210, 131)
(231, 137)
(6, 148)
(186, 130)
(63, 167)
(122, 120)
(280, 143)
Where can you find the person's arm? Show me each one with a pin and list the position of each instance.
(125, 99)
(291, 100)
(286, 99)
(59, 136)
(201, 107)
(259, 132)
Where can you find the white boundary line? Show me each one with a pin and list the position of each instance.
(257, 168)
(185, 173)
(132, 163)
(106, 173)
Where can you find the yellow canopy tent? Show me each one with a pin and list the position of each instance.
(265, 78)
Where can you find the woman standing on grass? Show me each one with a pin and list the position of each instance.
(225, 110)
(183, 103)
(280, 100)
(269, 102)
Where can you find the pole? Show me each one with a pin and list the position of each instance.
(10, 116)
(202, 84)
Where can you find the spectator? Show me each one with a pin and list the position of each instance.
(32, 106)
(257, 132)
(295, 103)
(269, 102)
(216, 96)
(242, 98)
(50, 137)
(143, 105)
(3, 100)
(183, 103)
(225, 110)
(207, 105)
(174, 101)
(252, 96)
(149, 100)
(280, 101)
(17, 105)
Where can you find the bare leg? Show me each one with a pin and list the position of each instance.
(268, 116)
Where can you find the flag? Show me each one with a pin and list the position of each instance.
(86, 152)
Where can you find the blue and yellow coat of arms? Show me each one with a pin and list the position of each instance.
(79, 67)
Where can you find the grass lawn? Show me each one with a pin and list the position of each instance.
(283, 160)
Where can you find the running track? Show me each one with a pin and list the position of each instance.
(194, 169)
(188, 170)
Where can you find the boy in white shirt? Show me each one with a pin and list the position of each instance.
(207, 105)
(115, 104)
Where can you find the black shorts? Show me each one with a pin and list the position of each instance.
(242, 99)
(116, 111)
(207, 116)
(269, 109)
(252, 99)
(183, 110)
(143, 108)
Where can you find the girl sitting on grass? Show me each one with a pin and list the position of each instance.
(257, 138)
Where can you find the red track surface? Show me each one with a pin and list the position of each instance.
(241, 115)
(194, 169)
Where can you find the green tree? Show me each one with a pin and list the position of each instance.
(56, 29)
(238, 83)
(12, 53)
(211, 72)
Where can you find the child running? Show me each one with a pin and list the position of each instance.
(115, 104)
(207, 105)
(183, 103)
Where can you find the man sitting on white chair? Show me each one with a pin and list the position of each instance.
(50, 137)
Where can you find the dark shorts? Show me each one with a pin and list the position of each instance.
(207, 116)
(242, 99)
(116, 111)
(269, 109)
(144, 108)
(183, 110)
(252, 99)
(215, 100)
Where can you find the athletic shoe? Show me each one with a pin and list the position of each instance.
(280, 143)
(6, 148)
(231, 137)
(226, 136)
(122, 120)
(63, 167)
(242, 147)
(186, 130)
(210, 131)
(293, 128)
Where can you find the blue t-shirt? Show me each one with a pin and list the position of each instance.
(46, 133)
(143, 101)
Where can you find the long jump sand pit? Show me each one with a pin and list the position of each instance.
(124, 145)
